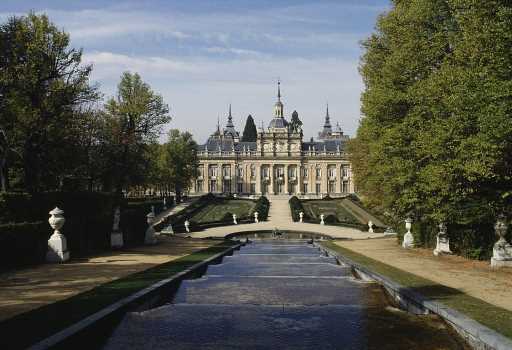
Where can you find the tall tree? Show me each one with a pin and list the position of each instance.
(250, 133)
(136, 117)
(436, 137)
(42, 82)
(178, 161)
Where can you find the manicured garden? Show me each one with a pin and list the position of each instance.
(336, 211)
(209, 211)
(224, 209)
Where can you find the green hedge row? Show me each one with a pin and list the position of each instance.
(88, 215)
(23, 243)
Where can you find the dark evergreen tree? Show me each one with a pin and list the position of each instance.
(250, 133)
(296, 124)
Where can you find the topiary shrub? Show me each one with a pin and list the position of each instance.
(227, 217)
(296, 207)
(331, 219)
(262, 207)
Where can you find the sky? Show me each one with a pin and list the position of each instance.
(202, 55)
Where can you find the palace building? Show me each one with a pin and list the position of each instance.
(279, 162)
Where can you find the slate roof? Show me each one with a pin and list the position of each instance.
(330, 145)
(278, 123)
(226, 145)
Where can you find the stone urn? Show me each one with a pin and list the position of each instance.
(234, 220)
(408, 241)
(301, 216)
(187, 225)
(256, 217)
(57, 244)
(150, 237)
(502, 250)
(322, 219)
(443, 241)
(370, 226)
(165, 204)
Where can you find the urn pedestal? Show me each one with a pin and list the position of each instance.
(502, 251)
(57, 244)
(408, 241)
(442, 241)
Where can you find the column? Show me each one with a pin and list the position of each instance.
(220, 178)
(338, 178)
(298, 176)
(325, 178)
(272, 180)
(312, 178)
(286, 191)
(258, 178)
(234, 178)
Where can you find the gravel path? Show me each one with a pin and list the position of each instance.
(27, 289)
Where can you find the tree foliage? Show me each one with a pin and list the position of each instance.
(42, 81)
(437, 128)
(178, 161)
(135, 118)
(250, 133)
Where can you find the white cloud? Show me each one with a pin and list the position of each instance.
(198, 90)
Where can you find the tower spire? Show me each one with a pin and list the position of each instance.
(279, 90)
(230, 110)
(327, 124)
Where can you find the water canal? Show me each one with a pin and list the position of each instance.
(280, 294)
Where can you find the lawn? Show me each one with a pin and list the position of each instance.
(217, 209)
(344, 210)
(314, 208)
(27, 328)
(491, 316)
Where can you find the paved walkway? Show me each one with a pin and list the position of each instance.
(27, 289)
(475, 278)
(280, 217)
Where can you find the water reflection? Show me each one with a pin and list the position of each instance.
(280, 295)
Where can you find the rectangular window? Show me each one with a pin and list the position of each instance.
(305, 172)
(317, 188)
(253, 188)
(331, 172)
(344, 187)
(240, 172)
(253, 172)
(213, 186)
(226, 171)
(240, 188)
(332, 186)
(306, 188)
(199, 186)
(264, 172)
(318, 172)
(345, 171)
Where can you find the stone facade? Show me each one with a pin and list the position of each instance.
(278, 163)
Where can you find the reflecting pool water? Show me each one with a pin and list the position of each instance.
(280, 295)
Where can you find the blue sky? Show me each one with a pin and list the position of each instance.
(202, 55)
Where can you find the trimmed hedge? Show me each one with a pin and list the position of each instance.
(89, 215)
(23, 243)
(296, 207)
(262, 207)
